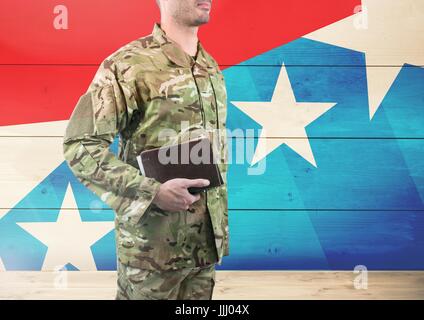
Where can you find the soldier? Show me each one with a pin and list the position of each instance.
(168, 241)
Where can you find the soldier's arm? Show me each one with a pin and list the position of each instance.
(223, 116)
(224, 152)
(100, 114)
(225, 148)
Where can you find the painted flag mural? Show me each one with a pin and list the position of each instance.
(325, 100)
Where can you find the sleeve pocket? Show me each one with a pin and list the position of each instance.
(94, 114)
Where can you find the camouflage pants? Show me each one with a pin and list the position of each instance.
(183, 284)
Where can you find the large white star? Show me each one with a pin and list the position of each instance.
(389, 32)
(283, 120)
(69, 239)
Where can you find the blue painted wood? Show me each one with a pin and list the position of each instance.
(362, 174)
(401, 114)
(335, 240)
(351, 174)
(262, 240)
(362, 204)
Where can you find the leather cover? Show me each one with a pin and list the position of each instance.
(191, 159)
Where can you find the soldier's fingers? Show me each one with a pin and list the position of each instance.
(196, 197)
(189, 197)
(182, 182)
(197, 182)
(184, 203)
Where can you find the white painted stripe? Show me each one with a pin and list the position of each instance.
(2, 268)
(52, 128)
(24, 163)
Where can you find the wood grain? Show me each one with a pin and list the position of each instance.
(363, 204)
(97, 28)
(35, 158)
(239, 285)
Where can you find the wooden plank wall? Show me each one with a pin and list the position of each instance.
(230, 285)
(360, 204)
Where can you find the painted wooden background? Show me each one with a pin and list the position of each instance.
(338, 94)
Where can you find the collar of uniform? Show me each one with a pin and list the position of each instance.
(175, 52)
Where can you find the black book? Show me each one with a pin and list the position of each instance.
(193, 159)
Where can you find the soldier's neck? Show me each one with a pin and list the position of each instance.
(185, 36)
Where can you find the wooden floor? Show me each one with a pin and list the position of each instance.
(256, 285)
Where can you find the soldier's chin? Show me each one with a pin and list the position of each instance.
(201, 20)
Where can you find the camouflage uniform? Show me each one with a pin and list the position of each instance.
(183, 284)
(148, 85)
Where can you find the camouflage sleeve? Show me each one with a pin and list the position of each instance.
(225, 152)
(224, 139)
(223, 117)
(225, 165)
(100, 114)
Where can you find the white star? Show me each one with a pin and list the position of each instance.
(389, 32)
(69, 239)
(283, 120)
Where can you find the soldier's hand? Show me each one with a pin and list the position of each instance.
(173, 194)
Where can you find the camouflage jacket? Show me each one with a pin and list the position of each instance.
(148, 85)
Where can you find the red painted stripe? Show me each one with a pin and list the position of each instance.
(41, 93)
(238, 30)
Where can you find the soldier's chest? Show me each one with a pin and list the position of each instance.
(175, 98)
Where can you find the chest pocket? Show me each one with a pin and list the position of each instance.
(174, 93)
(170, 100)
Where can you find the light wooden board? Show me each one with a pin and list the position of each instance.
(239, 285)
(32, 159)
(325, 218)
(338, 76)
(259, 240)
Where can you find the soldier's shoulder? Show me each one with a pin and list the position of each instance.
(143, 46)
(211, 60)
(124, 62)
